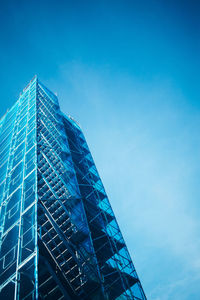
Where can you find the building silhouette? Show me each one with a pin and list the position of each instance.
(59, 238)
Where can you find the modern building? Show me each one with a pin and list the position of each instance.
(59, 238)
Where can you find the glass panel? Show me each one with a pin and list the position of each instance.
(27, 233)
(17, 241)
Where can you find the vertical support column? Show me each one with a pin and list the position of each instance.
(17, 283)
(36, 195)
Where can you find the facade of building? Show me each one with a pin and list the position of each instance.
(59, 238)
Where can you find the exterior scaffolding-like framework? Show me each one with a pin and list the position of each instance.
(59, 238)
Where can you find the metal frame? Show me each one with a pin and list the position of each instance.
(15, 226)
(68, 243)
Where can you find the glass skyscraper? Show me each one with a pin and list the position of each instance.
(59, 238)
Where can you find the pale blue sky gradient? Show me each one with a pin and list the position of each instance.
(128, 72)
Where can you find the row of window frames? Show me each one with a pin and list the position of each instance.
(29, 166)
(26, 99)
(22, 134)
(28, 91)
(19, 156)
(21, 106)
(48, 95)
(14, 209)
(45, 101)
(18, 132)
(30, 141)
(25, 121)
(28, 108)
(27, 175)
(30, 138)
(29, 111)
(43, 96)
(55, 135)
(7, 124)
(20, 137)
(24, 110)
(7, 139)
(49, 111)
(9, 257)
(52, 117)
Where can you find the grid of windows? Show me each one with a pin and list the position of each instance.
(59, 238)
(18, 197)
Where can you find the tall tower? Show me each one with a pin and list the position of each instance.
(59, 238)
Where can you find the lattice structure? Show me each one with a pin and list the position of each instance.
(59, 238)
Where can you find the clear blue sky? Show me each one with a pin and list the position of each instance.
(128, 71)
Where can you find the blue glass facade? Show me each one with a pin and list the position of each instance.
(18, 210)
(59, 237)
